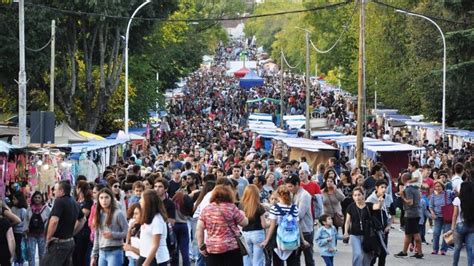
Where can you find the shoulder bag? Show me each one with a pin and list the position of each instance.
(338, 218)
(447, 210)
(239, 238)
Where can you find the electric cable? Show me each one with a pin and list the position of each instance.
(81, 13)
(40, 49)
(286, 62)
(346, 26)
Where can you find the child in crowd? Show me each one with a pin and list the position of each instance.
(424, 211)
(137, 189)
(326, 239)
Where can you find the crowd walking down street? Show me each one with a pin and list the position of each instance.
(203, 191)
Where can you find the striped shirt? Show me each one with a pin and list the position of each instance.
(276, 214)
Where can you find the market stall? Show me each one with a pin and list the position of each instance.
(294, 148)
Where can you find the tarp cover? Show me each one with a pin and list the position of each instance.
(65, 131)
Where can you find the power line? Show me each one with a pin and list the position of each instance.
(346, 26)
(40, 49)
(431, 17)
(286, 62)
(81, 13)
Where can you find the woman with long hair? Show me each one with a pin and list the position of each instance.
(463, 222)
(90, 222)
(220, 218)
(208, 187)
(332, 198)
(184, 207)
(83, 244)
(357, 217)
(110, 225)
(19, 209)
(119, 194)
(132, 242)
(269, 186)
(254, 232)
(153, 248)
(36, 218)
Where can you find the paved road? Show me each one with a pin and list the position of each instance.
(344, 255)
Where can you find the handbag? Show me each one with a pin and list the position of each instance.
(239, 238)
(448, 237)
(338, 218)
(373, 241)
(447, 210)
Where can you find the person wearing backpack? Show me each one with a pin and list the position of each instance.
(302, 199)
(284, 235)
(35, 224)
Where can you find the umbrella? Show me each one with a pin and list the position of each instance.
(241, 72)
(251, 80)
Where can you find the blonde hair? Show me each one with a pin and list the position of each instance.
(250, 201)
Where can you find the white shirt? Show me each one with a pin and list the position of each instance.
(457, 203)
(205, 201)
(417, 173)
(305, 166)
(157, 227)
(456, 182)
(134, 242)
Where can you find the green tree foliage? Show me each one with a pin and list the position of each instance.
(89, 55)
(403, 53)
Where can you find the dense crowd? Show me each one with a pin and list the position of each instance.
(203, 192)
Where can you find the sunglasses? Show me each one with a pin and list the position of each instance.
(115, 186)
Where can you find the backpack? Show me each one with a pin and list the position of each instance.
(288, 232)
(36, 225)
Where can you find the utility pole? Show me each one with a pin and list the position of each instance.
(282, 90)
(308, 95)
(22, 77)
(375, 97)
(51, 83)
(360, 85)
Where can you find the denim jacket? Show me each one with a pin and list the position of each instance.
(321, 238)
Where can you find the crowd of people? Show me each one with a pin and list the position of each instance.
(202, 192)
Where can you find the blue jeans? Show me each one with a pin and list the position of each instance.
(201, 261)
(131, 261)
(110, 258)
(193, 248)
(463, 234)
(182, 237)
(439, 226)
(255, 256)
(329, 260)
(359, 257)
(32, 242)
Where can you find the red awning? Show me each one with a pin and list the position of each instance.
(241, 72)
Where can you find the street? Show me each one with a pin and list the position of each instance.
(395, 243)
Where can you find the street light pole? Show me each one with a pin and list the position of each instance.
(282, 90)
(308, 94)
(22, 77)
(443, 118)
(126, 63)
(51, 84)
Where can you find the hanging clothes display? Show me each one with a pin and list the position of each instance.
(3, 173)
